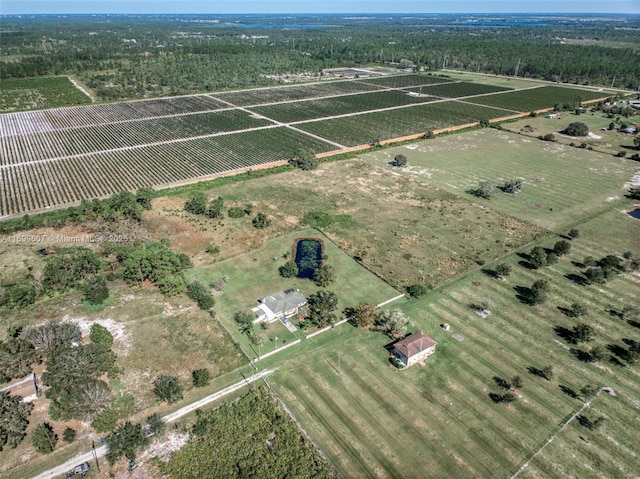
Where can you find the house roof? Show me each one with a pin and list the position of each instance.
(414, 344)
(284, 301)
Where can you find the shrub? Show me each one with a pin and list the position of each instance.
(197, 204)
(201, 377)
(416, 290)
(95, 289)
(400, 160)
(156, 424)
(288, 270)
(213, 249)
(236, 212)
(69, 435)
(396, 363)
(101, 336)
(201, 295)
(261, 221)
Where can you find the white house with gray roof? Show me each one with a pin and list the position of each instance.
(284, 303)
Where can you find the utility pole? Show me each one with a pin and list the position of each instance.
(517, 68)
(95, 456)
(613, 81)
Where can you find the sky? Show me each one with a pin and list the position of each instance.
(315, 6)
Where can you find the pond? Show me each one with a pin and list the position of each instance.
(635, 213)
(308, 256)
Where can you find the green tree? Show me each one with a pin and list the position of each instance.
(288, 270)
(144, 196)
(201, 295)
(322, 307)
(69, 435)
(538, 292)
(197, 204)
(399, 160)
(484, 190)
(236, 212)
(105, 421)
(363, 315)
(576, 310)
(126, 440)
(634, 193)
(52, 335)
(392, 322)
(43, 438)
(95, 289)
(516, 382)
(416, 290)
(101, 336)
(577, 129)
(14, 419)
(16, 357)
(512, 187)
(324, 275)
(636, 142)
(201, 377)
(156, 425)
(562, 247)
(215, 208)
(595, 275)
(582, 333)
(89, 398)
(547, 372)
(502, 270)
(549, 137)
(589, 391)
(168, 388)
(538, 257)
(574, 233)
(304, 160)
(508, 397)
(261, 221)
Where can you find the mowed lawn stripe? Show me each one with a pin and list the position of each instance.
(332, 438)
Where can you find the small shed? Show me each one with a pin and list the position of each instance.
(552, 116)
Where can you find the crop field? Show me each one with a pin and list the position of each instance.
(93, 139)
(538, 98)
(38, 185)
(369, 127)
(374, 421)
(311, 109)
(47, 92)
(458, 89)
(261, 96)
(560, 183)
(56, 157)
(72, 117)
(403, 81)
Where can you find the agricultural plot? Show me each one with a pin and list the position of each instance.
(263, 96)
(35, 93)
(311, 109)
(560, 183)
(92, 139)
(403, 81)
(457, 89)
(62, 118)
(38, 185)
(538, 98)
(373, 421)
(370, 127)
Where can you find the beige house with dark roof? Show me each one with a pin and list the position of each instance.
(414, 348)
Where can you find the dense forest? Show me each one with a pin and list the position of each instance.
(137, 56)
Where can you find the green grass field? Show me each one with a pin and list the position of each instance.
(255, 275)
(374, 421)
(560, 184)
(17, 94)
(458, 89)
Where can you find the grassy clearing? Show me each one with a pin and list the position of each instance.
(459, 89)
(404, 230)
(560, 184)
(255, 275)
(601, 139)
(487, 79)
(374, 421)
(18, 94)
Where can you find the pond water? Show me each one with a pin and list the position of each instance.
(308, 256)
(635, 213)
